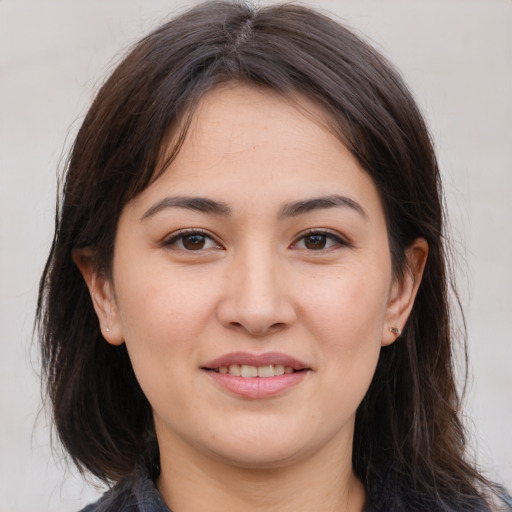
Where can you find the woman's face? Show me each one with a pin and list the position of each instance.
(261, 251)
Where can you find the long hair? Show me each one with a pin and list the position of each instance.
(409, 443)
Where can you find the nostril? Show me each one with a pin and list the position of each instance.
(256, 315)
(257, 330)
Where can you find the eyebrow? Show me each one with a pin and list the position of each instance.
(205, 205)
(320, 203)
(198, 204)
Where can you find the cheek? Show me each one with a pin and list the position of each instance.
(348, 306)
(161, 311)
(162, 318)
(347, 316)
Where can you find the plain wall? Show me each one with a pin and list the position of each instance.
(455, 54)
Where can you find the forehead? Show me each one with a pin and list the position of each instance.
(239, 116)
(244, 141)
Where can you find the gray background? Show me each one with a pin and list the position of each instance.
(455, 54)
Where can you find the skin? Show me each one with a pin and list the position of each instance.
(255, 283)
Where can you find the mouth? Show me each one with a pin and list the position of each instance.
(256, 376)
(248, 371)
(248, 365)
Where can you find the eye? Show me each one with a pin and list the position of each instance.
(318, 241)
(191, 241)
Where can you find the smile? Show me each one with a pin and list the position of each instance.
(246, 371)
(256, 376)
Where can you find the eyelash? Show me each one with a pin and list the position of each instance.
(328, 235)
(184, 233)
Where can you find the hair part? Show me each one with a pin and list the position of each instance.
(409, 445)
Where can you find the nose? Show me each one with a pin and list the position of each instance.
(257, 297)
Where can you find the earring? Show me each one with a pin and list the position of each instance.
(107, 329)
(395, 330)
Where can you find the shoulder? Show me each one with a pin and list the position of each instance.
(120, 498)
(136, 493)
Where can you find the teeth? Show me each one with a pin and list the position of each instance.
(247, 371)
(266, 371)
(234, 369)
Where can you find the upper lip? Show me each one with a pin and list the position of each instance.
(264, 359)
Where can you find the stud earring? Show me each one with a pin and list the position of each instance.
(107, 329)
(395, 330)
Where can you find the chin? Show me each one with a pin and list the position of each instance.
(262, 448)
(260, 457)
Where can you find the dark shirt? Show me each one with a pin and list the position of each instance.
(136, 493)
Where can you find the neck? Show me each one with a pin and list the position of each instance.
(322, 482)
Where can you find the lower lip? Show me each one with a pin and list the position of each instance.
(257, 387)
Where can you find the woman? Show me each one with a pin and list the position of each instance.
(246, 301)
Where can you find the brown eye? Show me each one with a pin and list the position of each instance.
(191, 241)
(315, 242)
(320, 241)
(194, 242)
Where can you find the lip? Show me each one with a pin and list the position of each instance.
(256, 387)
(250, 359)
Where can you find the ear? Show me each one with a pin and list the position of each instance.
(102, 295)
(403, 291)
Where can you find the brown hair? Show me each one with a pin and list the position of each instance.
(409, 443)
